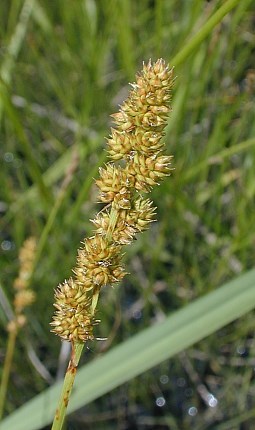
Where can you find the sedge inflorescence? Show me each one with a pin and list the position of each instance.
(24, 296)
(136, 165)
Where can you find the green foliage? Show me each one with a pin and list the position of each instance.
(64, 70)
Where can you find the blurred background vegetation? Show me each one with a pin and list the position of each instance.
(65, 65)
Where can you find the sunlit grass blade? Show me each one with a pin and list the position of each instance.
(196, 40)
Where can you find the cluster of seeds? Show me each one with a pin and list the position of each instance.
(136, 165)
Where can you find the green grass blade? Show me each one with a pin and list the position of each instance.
(219, 157)
(207, 28)
(145, 350)
(15, 45)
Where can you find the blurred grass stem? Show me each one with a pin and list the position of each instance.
(6, 369)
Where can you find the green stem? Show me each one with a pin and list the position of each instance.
(113, 221)
(47, 228)
(67, 386)
(196, 40)
(15, 45)
(6, 370)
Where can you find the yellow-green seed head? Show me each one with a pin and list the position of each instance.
(146, 172)
(72, 320)
(98, 261)
(22, 299)
(137, 164)
(114, 186)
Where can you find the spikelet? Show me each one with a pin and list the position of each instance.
(73, 319)
(24, 296)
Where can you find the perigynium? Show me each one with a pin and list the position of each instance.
(136, 164)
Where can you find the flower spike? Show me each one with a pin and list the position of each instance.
(137, 163)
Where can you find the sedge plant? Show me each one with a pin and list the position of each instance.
(23, 298)
(137, 163)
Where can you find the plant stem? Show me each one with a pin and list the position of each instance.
(113, 221)
(6, 370)
(207, 28)
(67, 386)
